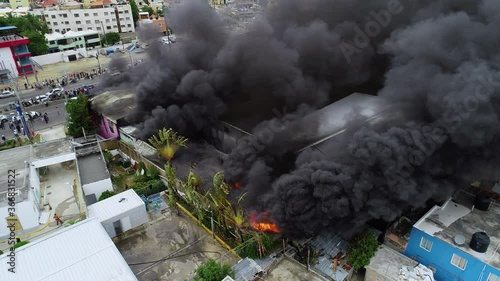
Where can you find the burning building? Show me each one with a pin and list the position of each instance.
(432, 128)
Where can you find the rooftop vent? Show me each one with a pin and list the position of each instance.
(459, 239)
(480, 242)
(122, 200)
(482, 202)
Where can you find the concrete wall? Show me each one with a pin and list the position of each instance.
(57, 57)
(35, 184)
(129, 220)
(98, 187)
(440, 258)
(27, 214)
(48, 58)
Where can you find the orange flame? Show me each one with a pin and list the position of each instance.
(237, 185)
(265, 226)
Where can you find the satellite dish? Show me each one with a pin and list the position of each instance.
(459, 239)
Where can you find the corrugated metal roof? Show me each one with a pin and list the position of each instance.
(246, 269)
(82, 252)
(112, 207)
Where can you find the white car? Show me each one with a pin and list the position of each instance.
(6, 94)
(42, 98)
(4, 118)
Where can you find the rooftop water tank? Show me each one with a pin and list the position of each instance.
(480, 242)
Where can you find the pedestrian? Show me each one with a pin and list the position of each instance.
(18, 128)
(15, 133)
(46, 118)
(58, 219)
(4, 138)
(57, 108)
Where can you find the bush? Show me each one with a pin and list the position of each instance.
(107, 156)
(106, 194)
(154, 173)
(149, 187)
(20, 244)
(251, 251)
(213, 271)
(363, 248)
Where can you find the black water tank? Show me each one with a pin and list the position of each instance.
(480, 242)
(482, 202)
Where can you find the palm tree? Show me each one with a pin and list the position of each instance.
(170, 173)
(237, 217)
(167, 143)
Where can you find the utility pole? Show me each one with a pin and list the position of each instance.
(20, 109)
(98, 62)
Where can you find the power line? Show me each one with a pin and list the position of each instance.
(173, 257)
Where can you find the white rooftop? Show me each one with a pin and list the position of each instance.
(82, 252)
(115, 205)
(457, 216)
(388, 262)
(70, 34)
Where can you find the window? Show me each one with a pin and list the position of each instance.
(458, 261)
(127, 18)
(76, 15)
(493, 277)
(66, 22)
(108, 27)
(78, 22)
(57, 30)
(106, 13)
(86, 14)
(97, 21)
(87, 22)
(126, 11)
(64, 15)
(55, 23)
(107, 20)
(79, 29)
(98, 28)
(53, 16)
(95, 14)
(426, 244)
(129, 25)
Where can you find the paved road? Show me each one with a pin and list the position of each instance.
(26, 94)
(55, 118)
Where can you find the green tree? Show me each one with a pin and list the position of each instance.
(167, 143)
(106, 194)
(147, 9)
(79, 117)
(135, 11)
(32, 27)
(111, 38)
(213, 271)
(363, 248)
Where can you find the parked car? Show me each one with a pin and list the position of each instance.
(54, 93)
(6, 94)
(4, 119)
(32, 114)
(42, 98)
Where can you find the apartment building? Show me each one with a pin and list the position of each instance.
(72, 40)
(18, 3)
(110, 19)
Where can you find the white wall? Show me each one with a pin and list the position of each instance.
(35, 183)
(27, 213)
(83, 19)
(98, 187)
(129, 220)
(7, 61)
(54, 160)
(48, 58)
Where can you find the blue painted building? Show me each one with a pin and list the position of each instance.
(441, 240)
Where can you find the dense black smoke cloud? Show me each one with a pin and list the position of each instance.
(438, 59)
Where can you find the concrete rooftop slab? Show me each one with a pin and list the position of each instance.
(13, 159)
(185, 243)
(290, 270)
(92, 168)
(51, 149)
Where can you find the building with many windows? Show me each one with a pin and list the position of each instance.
(109, 19)
(14, 53)
(459, 240)
(72, 40)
